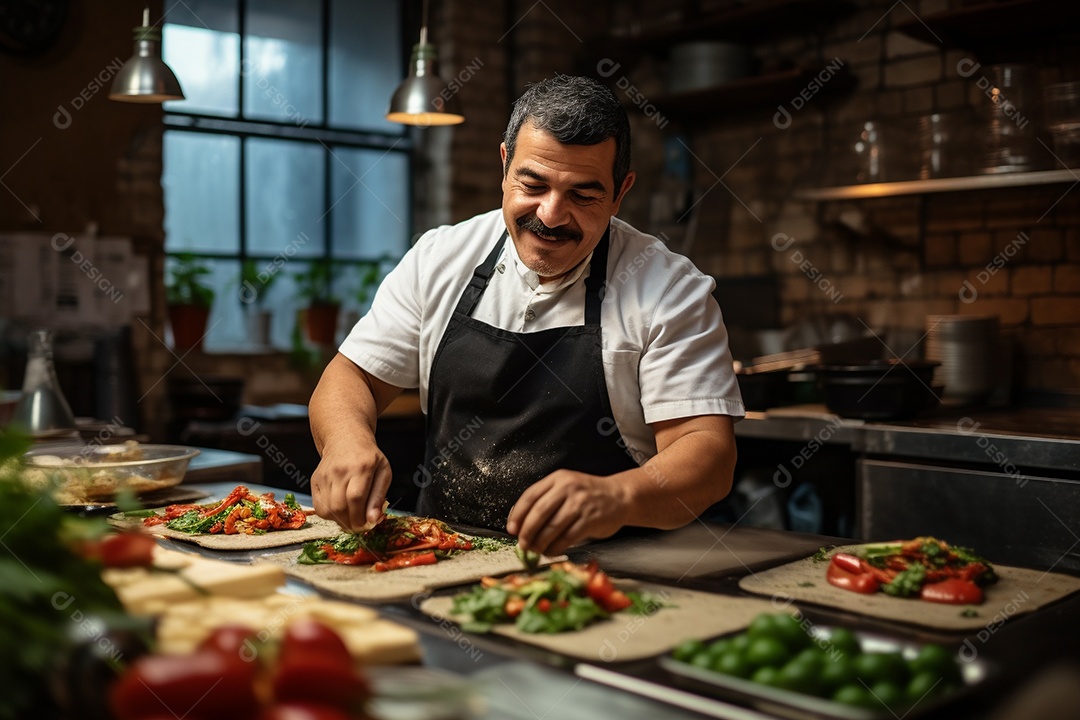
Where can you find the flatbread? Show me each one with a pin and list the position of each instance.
(315, 528)
(361, 582)
(1018, 591)
(689, 614)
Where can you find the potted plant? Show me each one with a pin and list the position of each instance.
(255, 284)
(188, 299)
(320, 315)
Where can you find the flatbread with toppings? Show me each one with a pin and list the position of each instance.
(241, 521)
(394, 542)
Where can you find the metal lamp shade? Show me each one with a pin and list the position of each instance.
(423, 99)
(145, 78)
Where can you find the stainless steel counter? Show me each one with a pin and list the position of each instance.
(1025, 438)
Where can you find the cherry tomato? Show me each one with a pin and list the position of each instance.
(543, 605)
(201, 686)
(603, 593)
(311, 637)
(232, 640)
(316, 678)
(514, 606)
(953, 592)
(302, 711)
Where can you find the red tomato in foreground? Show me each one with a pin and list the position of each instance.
(232, 640)
(318, 679)
(603, 593)
(302, 711)
(311, 637)
(200, 686)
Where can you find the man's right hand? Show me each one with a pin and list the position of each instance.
(349, 485)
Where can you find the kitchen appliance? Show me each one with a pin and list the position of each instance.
(966, 348)
(881, 390)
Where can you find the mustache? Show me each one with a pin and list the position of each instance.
(534, 225)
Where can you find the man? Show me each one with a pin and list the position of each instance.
(575, 373)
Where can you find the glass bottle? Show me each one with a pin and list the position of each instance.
(43, 410)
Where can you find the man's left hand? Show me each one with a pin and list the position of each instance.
(566, 508)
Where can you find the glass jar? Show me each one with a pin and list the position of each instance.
(42, 410)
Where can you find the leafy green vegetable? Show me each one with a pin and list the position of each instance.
(529, 558)
(908, 583)
(290, 502)
(822, 555)
(49, 596)
(193, 522)
(969, 612)
(574, 615)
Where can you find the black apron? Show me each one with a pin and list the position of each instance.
(506, 409)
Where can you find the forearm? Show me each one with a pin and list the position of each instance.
(683, 479)
(343, 408)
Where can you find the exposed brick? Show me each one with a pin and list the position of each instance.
(854, 52)
(794, 289)
(1055, 311)
(890, 103)
(1010, 311)
(898, 44)
(989, 280)
(1067, 279)
(1072, 245)
(950, 95)
(948, 284)
(1068, 341)
(1039, 342)
(1032, 280)
(960, 212)
(940, 250)
(912, 313)
(1056, 374)
(975, 248)
(919, 101)
(854, 287)
(1045, 246)
(916, 71)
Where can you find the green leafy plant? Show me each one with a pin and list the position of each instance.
(370, 275)
(255, 282)
(315, 284)
(187, 284)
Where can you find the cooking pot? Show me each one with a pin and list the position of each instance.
(880, 390)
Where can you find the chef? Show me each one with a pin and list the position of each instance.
(575, 373)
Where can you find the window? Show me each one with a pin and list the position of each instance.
(280, 156)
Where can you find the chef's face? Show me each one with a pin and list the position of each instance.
(558, 199)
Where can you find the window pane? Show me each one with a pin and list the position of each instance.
(283, 61)
(201, 183)
(370, 202)
(227, 328)
(201, 44)
(285, 198)
(365, 63)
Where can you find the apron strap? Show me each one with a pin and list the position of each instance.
(596, 283)
(480, 278)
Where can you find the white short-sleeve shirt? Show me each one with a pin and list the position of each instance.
(665, 348)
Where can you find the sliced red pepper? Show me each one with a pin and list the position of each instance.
(360, 557)
(953, 592)
(407, 560)
(851, 563)
(865, 582)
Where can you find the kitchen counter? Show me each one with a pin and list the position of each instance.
(519, 680)
(1047, 438)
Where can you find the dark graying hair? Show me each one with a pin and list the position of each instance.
(576, 111)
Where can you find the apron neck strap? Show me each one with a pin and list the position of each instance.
(594, 284)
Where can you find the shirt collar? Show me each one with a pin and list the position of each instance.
(533, 280)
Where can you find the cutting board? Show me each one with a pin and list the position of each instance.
(1018, 591)
(360, 582)
(689, 614)
(695, 551)
(315, 528)
(182, 576)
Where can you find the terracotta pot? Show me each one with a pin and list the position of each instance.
(320, 323)
(188, 324)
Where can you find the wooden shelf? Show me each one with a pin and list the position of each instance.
(998, 31)
(940, 185)
(768, 89)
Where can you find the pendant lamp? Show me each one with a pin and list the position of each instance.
(422, 98)
(145, 78)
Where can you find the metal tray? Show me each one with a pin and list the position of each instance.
(787, 703)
